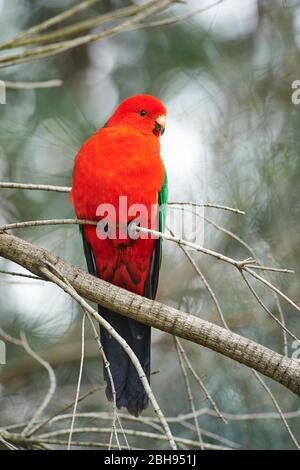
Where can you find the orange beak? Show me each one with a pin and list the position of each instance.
(160, 124)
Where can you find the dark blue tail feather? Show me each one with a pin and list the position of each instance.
(129, 389)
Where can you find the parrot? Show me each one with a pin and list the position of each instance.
(123, 160)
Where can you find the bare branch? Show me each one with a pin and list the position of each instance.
(254, 255)
(179, 349)
(52, 384)
(78, 382)
(266, 309)
(35, 187)
(41, 223)
(49, 22)
(273, 288)
(27, 276)
(280, 368)
(33, 85)
(73, 29)
(206, 204)
(50, 50)
(52, 418)
(278, 409)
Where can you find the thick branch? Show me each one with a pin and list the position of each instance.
(280, 368)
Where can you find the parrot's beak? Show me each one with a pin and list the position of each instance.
(160, 124)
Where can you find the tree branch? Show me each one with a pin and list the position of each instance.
(33, 85)
(49, 50)
(280, 368)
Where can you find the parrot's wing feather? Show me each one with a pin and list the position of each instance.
(152, 280)
(89, 256)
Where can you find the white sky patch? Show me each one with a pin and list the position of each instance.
(193, 110)
(181, 152)
(41, 306)
(98, 96)
(296, 28)
(229, 19)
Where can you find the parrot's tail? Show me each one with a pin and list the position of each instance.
(129, 389)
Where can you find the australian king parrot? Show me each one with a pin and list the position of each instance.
(117, 172)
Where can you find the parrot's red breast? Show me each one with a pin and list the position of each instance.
(121, 159)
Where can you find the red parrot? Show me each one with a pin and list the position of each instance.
(122, 159)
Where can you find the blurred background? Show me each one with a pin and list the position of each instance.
(225, 75)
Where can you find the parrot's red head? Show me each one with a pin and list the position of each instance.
(144, 113)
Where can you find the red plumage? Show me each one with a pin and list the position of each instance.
(118, 162)
(122, 159)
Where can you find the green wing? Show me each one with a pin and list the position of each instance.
(152, 281)
(162, 202)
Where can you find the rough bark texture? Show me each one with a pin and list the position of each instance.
(280, 368)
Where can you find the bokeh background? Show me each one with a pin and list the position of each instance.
(232, 138)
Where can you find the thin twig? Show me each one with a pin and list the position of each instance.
(32, 85)
(129, 432)
(75, 28)
(28, 276)
(273, 288)
(275, 270)
(11, 339)
(259, 300)
(78, 382)
(215, 300)
(206, 204)
(286, 424)
(35, 187)
(113, 389)
(90, 23)
(254, 255)
(189, 390)
(41, 223)
(201, 384)
(204, 280)
(50, 50)
(180, 18)
(179, 241)
(52, 384)
(52, 418)
(49, 22)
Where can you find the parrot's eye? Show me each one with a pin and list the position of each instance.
(143, 112)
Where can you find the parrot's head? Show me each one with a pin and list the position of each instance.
(144, 113)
